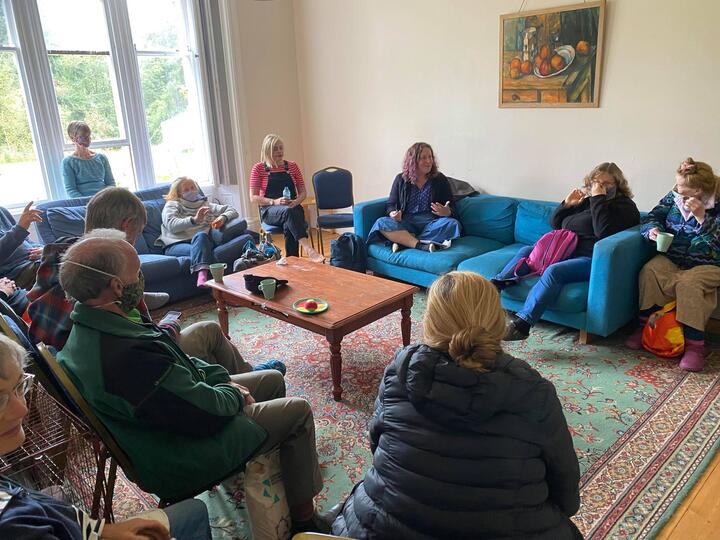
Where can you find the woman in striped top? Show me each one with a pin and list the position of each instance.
(277, 187)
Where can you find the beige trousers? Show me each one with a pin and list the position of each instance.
(291, 428)
(662, 281)
(205, 340)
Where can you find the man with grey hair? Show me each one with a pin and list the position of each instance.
(118, 209)
(185, 424)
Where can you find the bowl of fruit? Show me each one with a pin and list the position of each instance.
(548, 64)
(310, 306)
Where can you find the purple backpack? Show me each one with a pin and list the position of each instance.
(552, 247)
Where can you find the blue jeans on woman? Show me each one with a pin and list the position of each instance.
(199, 249)
(426, 227)
(189, 520)
(548, 288)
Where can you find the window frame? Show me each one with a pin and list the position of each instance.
(25, 31)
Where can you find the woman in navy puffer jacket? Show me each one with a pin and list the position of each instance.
(467, 442)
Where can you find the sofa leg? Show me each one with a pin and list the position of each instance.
(584, 337)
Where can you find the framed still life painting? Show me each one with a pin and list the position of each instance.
(552, 57)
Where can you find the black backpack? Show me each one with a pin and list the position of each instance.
(349, 252)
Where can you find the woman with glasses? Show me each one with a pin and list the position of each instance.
(25, 513)
(689, 272)
(601, 208)
(85, 172)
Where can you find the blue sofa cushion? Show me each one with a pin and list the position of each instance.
(435, 263)
(67, 221)
(488, 216)
(533, 220)
(573, 297)
(151, 232)
(160, 267)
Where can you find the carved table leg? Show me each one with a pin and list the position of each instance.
(405, 322)
(222, 312)
(335, 364)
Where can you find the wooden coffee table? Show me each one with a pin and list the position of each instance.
(355, 301)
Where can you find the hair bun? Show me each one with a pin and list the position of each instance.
(687, 167)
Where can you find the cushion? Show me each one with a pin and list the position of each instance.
(573, 296)
(151, 232)
(232, 229)
(333, 221)
(67, 221)
(159, 267)
(435, 263)
(533, 220)
(488, 216)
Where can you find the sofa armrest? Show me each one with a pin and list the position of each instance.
(613, 288)
(366, 213)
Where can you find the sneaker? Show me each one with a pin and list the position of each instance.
(271, 364)
(516, 331)
(396, 247)
(155, 300)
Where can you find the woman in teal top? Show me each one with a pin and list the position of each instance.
(85, 172)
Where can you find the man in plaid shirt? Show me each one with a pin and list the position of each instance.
(49, 310)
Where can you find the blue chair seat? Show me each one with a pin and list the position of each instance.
(272, 229)
(335, 221)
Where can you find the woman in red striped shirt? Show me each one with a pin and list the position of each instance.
(277, 187)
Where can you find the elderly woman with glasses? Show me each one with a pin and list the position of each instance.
(25, 513)
(85, 172)
(689, 272)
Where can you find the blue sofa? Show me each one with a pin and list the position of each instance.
(162, 273)
(494, 229)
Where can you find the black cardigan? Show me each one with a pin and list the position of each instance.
(595, 218)
(440, 192)
(465, 455)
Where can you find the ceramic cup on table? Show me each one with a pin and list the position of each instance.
(267, 286)
(217, 270)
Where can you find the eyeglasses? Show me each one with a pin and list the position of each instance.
(21, 389)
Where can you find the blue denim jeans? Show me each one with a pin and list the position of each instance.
(199, 249)
(189, 520)
(425, 227)
(548, 288)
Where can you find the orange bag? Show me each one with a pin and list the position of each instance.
(663, 335)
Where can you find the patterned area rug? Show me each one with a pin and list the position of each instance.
(643, 429)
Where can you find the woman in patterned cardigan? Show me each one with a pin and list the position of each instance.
(690, 270)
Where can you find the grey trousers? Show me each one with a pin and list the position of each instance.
(291, 428)
(205, 340)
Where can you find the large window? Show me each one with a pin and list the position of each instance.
(128, 68)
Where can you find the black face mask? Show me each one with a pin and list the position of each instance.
(252, 282)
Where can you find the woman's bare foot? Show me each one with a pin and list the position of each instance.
(314, 256)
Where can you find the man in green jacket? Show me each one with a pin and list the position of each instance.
(185, 424)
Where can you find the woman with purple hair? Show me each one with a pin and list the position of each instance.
(420, 207)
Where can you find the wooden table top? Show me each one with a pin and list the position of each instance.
(349, 294)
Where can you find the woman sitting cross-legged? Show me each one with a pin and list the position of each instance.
(690, 270)
(25, 513)
(277, 186)
(602, 208)
(468, 442)
(420, 208)
(186, 222)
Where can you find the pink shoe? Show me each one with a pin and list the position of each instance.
(203, 276)
(694, 357)
(634, 342)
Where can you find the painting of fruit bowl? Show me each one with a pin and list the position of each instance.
(561, 59)
(552, 57)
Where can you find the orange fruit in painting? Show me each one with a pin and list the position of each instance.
(544, 52)
(526, 68)
(515, 63)
(557, 62)
(583, 47)
(538, 61)
(545, 69)
(515, 73)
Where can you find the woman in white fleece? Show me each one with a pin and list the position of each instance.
(186, 222)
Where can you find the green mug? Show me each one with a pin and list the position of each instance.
(267, 286)
(663, 240)
(217, 270)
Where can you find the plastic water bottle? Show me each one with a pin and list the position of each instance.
(286, 193)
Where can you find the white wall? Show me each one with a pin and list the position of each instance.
(378, 75)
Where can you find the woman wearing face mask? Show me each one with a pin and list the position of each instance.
(25, 513)
(186, 221)
(602, 208)
(85, 172)
(689, 272)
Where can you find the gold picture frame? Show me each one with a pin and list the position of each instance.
(552, 57)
